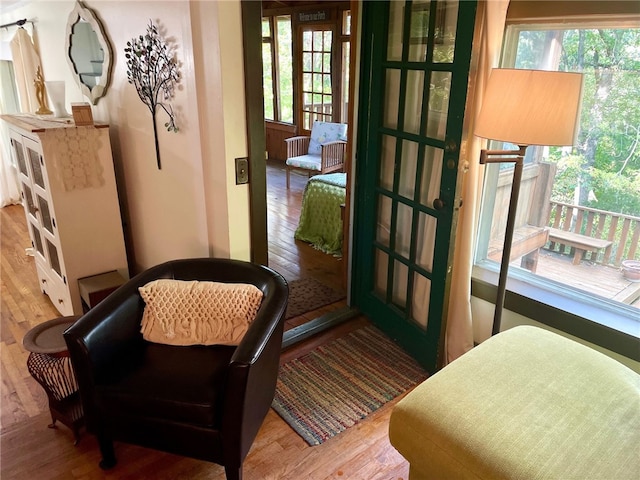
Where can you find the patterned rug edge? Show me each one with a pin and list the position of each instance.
(335, 386)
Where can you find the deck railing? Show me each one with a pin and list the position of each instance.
(622, 230)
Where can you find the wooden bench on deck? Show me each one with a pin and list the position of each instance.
(527, 240)
(581, 243)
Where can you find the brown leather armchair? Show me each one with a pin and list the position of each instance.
(204, 402)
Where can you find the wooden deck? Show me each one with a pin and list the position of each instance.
(601, 280)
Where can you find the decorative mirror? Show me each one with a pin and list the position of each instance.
(89, 52)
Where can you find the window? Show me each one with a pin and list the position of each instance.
(591, 190)
(277, 68)
(321, 52)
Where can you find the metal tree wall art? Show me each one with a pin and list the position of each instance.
(153, 69)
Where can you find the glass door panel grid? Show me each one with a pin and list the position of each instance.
(317, 92)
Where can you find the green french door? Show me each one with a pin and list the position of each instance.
(414, 73)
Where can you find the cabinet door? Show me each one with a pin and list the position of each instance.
(40, 216)
(47, 223)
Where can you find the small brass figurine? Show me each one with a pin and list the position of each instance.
(41, 94)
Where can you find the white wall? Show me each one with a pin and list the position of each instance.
(191, 207)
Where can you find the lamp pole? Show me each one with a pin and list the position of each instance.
(525, 107)
(517, 158)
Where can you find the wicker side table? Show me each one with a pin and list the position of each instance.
(50, 365)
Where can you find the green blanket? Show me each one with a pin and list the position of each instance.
(320, 218)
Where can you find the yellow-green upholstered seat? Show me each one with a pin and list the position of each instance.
(525, 404)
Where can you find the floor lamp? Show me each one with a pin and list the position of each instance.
(525, 107)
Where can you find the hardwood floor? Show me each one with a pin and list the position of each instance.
(29, 450)
(295, 259)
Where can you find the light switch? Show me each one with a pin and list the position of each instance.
(242, 170)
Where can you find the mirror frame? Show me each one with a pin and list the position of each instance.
(80, 11)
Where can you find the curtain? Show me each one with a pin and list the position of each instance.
(491, 16)
(9, 187)
(26, 61)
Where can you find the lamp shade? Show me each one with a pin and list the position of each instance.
(531, 107)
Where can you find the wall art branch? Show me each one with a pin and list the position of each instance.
(153, 69)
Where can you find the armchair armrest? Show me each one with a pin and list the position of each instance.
(297, 146)
(102, 343)
(254, 368)
(106, 337)
(333, 155)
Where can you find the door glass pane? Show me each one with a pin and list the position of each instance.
(396, 18)
(421, 297)
(400, 278)
(391, 98)
(36, 168)
(306, 44)
(408, 169)
(438, 106)
(413, 101)
(22, 164)
(326, 86)
(317, 62)
(306, 61)
(404, 223)
(45, 213)
(387, 162)
(445, 34)
(37, 238)
(328, 108)
(328, 35)
(381, 269)
(28, 197)
(426, 240)
(419, 31)
(431, 175)
(53, 258)
(384, 220)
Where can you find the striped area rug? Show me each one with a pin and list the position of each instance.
(333, 387)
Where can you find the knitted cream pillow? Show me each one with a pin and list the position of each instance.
(198, 313)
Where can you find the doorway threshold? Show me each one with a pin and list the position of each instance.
(317, 325)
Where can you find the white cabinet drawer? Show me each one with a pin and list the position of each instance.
(56, 289)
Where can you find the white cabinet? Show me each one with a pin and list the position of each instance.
(71, 204)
